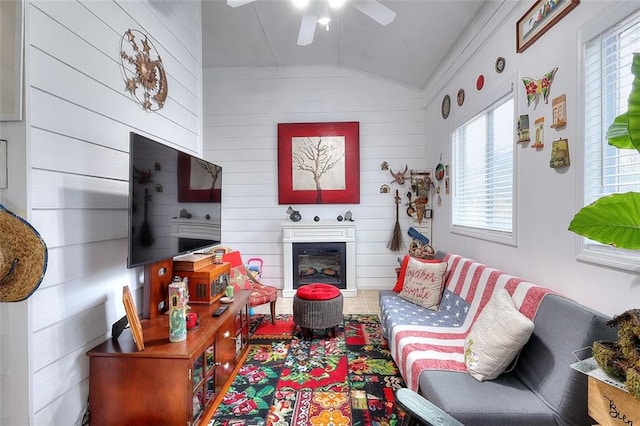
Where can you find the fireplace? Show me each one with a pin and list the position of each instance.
(319, 263)
(319, 252)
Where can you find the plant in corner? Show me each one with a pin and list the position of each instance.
(615, 220)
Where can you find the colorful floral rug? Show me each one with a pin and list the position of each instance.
(346, 380)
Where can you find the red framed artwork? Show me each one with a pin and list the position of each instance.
(198, 181)
(319, 163)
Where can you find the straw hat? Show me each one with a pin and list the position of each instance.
(23, 257)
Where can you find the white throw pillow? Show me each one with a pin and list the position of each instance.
(423, 283)
(499, 333)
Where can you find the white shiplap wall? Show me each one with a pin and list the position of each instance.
(242, 108)
(78, 118)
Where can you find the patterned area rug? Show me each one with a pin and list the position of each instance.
(263, 331)
(346, 380)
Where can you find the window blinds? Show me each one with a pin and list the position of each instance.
(607, 84)
(483, 170)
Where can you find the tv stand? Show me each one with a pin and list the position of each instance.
(168, 383)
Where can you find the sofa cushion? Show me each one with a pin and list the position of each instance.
(318, 291)
(424, 283)
(238, 274)
(403, 271)
(503, 401)
(496, 337)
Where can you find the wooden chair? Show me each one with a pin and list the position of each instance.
(242, 280)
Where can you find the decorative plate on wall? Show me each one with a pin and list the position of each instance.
(460, 97)
(446, 106)
(500, 63)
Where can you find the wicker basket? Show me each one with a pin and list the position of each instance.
(421, 251)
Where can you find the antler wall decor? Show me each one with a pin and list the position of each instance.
(399, 177)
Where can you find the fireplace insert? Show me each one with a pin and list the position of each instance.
(322, 262)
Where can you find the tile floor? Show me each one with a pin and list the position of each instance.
(365, 303)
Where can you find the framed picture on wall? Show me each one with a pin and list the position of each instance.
(542, 15)
(319, 163)
(11, 18)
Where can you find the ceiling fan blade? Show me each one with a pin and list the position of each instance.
(237, 3)
(307, 29)
(375, 10)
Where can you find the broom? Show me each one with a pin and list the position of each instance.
(395, 243)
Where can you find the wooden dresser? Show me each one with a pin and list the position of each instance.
(168, 383)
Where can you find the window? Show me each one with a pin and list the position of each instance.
(483, 174)
(607, 84)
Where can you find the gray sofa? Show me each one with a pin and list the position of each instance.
(542, 389)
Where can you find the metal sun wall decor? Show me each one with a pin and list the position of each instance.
(141, 71)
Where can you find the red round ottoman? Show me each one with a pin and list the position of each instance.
(317, 306)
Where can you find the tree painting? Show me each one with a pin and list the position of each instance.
(318, 163)
(204, 175)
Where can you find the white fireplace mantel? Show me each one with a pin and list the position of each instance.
(309, 232)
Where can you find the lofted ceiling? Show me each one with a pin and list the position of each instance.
(264, 33)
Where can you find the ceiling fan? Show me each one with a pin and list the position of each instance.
(316, 12)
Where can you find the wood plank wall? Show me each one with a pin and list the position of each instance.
(242, 108)
(78, 121)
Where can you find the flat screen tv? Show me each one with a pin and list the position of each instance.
(175, 202)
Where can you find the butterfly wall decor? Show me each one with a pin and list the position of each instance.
(534, 88)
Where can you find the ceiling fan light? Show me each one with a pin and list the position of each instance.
(324, 20)
(301, 4)
(336, 4)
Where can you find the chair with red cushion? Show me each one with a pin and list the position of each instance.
(242, 280)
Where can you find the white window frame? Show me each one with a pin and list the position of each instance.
(587, 250)
(501, 92)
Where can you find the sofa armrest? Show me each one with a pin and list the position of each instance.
(419, 411)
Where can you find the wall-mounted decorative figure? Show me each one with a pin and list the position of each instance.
(143, 71)
(539, 138)
(523, 129)
(399, 177)
(559, 154)
(559, 112)
(534, 88)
